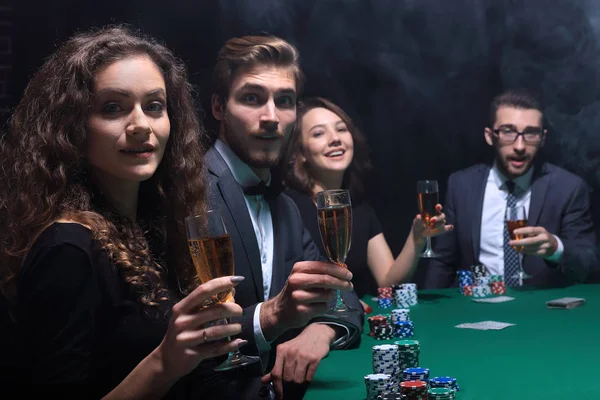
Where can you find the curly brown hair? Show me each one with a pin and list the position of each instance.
(45, 173)
(295, 172)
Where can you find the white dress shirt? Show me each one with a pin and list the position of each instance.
(260, 213)
(492, 218)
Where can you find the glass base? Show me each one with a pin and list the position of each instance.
(236, 360)
(340, 306)
(520, 276)
(339, 309)
(429, 253)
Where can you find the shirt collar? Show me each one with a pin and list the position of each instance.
(522, 182)
(242, 173)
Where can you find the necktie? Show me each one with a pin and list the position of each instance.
(511, 257)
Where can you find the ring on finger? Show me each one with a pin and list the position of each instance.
(204, 338)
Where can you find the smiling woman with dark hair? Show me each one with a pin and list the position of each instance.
(327, 151)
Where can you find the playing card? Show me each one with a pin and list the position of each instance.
(485, 325)
(499, 299)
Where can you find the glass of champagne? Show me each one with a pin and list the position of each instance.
(515, 218)
(212, 253)
(334, 215)
(428, 198)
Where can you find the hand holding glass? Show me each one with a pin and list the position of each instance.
(428, 198)
(212, 253)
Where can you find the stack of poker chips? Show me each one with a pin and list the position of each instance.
(376, 320)
(408, 351)
(479, 270)
(384, 297)
(386, 361)
(497, 284)
(382, 332)
(415, 374)
(481, 291)
(440, 394)
(378, 384)
(465, 282)
(481, 282)
(400, 314)
(403, 329)
(444, 382)
(405, 295)
(414, 390)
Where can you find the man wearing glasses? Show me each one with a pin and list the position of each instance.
(559, 244)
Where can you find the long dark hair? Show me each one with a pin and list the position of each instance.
(44, 170)
(296, 174)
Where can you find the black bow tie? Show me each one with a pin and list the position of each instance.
(262, 189)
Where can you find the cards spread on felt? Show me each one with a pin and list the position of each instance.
(498, 299)
(485, 325)
(565, 302)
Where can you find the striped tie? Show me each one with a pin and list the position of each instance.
(511, 257)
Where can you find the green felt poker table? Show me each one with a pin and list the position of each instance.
(548, 354)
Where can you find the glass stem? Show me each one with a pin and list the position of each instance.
(428, 239)
(339, 301)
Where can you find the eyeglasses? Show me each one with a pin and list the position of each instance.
(510, 135)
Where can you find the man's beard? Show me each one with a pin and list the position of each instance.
(242, 151)
(504, 165)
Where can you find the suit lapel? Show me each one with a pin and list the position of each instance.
(477, 195)
(233, 196)
(539, 188)
(278, 274)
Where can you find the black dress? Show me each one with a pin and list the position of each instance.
(365, 226)
(81, 329)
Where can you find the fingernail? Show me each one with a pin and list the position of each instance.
(241, 342)
(350, 276)
(237, 278)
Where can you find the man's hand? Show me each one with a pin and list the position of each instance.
(297, 359)
(537, 242)
(310, 286)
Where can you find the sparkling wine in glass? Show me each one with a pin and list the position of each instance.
(212, 253)
(515, 218)
(334, 216)
(428, 198)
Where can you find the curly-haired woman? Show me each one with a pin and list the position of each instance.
(99, 169)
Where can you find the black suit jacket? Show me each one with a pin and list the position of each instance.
(559, 202)
(292, 243)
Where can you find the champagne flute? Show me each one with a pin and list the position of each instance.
(212, 253)
(515, 218)
(334, 215)
(428, 198)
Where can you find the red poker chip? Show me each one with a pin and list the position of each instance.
(413, 384)
(467, 290)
